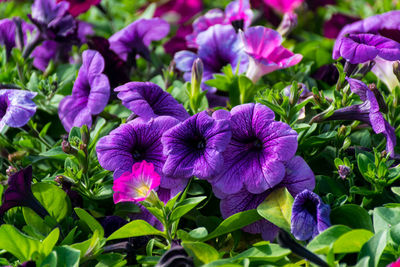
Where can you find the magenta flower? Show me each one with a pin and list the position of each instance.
(136, 141)
(237, 13)
(284, 6)
(136, 185)
(135, 38)
(360, 48)
(90, 93)
(395, 264)
(218, 47)
(194, 147)
(77, 7)
(148, 100)
(256, 155)
(368, 112)
(16, 107)
(298, 176)
(310, 216)
(181, 10)
(263, 45)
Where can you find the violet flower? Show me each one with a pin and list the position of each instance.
(266, 54)
(368, 112)
(52, 19)
(360, 48)
(19, 193)
(135, 38)
(90, 93)
(136, 185)
(148, 100)
(219, 46)
(298, 176)
(237, 13)
(194, 147)
(383, 69)
(77, 7)
(136, 141)
(256, 155)
(310, 216)
(16, 107)
(8, 33)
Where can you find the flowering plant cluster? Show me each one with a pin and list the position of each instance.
(199, 133)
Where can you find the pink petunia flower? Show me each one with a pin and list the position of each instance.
(266, 54)
(77, 7)
(284, 6)
(136, 185)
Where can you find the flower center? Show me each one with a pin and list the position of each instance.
(311, 208)
(198, 143)
(256, 145)
(137, 154)
(3, 105)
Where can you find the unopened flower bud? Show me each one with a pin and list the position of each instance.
(197, 71)
(67, 148)
(343, 171)
(288, 23)
(396, 69)
(342, 131)
(16, 156)
(85, 136)
(381, 102)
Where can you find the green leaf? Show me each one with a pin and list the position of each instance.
(1, 192)
(374, 248)
(395, 233)
(352, 241)
(234, 222)
(74, 133)
(111, 260)
(321, 243)
(55, 153)
(363, 162)
(67, 256)
(277, 109)
(352, 216)
(18, 244)
(184, 207)
(198, 233)
(49, 242)
(202, 253)
(277, 208)
(90, 221)
(53, 199)
(395, 190)
(135, 228)
(384, 218)
(90, 247)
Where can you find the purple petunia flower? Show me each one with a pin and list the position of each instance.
(360, 48)
(53, 19)
(218, 47)
(135, 38)
(383, 69)
(194, 147)
(148, 100)
(90, 93)
(136, 141)
(8, 33)
(369, 112)
(236, 12)
(310, 216)
(257, 152)
(298, 177)
(19, 193)
(16, 107)
(266, 54)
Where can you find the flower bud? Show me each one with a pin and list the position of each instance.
(197, 72)
(67, 148)
(343, 171)
(288, 23)
(11, 170)
(16, 156)
(85, 135)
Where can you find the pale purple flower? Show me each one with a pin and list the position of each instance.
(194, 147)
(219, 46)
(360, 48)
(368, 112)
(256, 155)
(236, 12)
(298, 176)
(135, 38)
(90, 93)
(383, 69)
(148, 100)
(310, 216)
(137, 184)
(136, 141)
(16, 107)
(266, 54)
(343, 171)
(8, 33)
